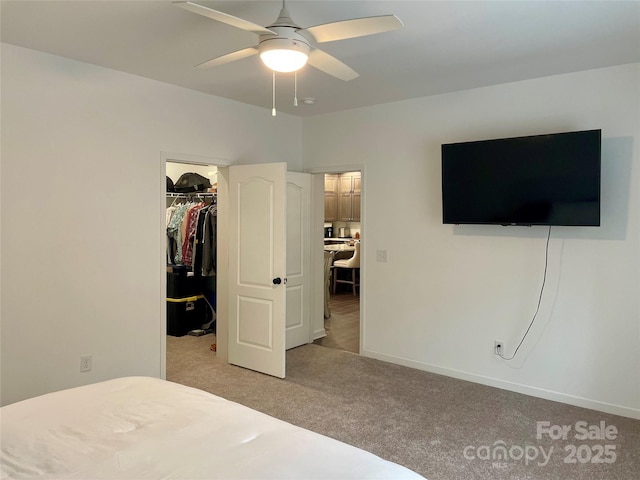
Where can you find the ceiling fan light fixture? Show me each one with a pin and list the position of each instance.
(283, 54)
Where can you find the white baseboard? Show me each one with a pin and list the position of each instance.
(513, 387)
(319, 334)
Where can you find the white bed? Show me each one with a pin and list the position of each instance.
(146, 428)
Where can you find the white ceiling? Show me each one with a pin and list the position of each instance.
(444, 46)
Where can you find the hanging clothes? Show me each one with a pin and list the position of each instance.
(208, 241)
(191, 236)
(170, 243)
(198, 242)
(174, 231)
(191, 222)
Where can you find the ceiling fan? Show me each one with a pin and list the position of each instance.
(284, 46)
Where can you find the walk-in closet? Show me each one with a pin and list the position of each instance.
(191, 257)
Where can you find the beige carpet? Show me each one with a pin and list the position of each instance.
(440, 427)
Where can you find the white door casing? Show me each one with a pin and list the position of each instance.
(298, 323)
(257, 267)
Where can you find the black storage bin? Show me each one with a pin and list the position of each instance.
(185, 314)
(181, 285)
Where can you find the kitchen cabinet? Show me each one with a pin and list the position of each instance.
(331, 186)
(350, 193)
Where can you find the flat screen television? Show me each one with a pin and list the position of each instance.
(537, 180)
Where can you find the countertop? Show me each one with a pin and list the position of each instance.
(339, 247)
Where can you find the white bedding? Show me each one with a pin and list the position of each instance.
(146, 428)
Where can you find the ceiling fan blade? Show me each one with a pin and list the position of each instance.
(331, 65)
(358, 27)
(223, 17)
(229, 57)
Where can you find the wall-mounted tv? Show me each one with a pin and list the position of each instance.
(537, 180)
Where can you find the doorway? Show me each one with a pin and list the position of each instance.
(191, 281)
(241, 222)
(342, 240)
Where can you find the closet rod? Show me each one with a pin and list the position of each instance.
(191, 194)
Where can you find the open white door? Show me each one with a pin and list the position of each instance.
(257, 267)
(299, 292)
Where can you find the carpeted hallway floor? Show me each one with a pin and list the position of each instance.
(440, 427)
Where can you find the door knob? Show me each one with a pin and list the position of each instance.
(277, 281)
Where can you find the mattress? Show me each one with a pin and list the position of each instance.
(146, 428)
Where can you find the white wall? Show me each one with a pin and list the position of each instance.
(81, 201)
(447, 292)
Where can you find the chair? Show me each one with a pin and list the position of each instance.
(328, 262)
(352, 264)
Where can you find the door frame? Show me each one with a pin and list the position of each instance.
(317, 246)
(222, 246)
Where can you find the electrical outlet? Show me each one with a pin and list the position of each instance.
(498, 348)
(85, 363)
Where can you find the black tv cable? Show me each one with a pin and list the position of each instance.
(544, 281)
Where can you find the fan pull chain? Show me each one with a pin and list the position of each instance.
(295, 89)
(273, 95)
